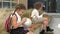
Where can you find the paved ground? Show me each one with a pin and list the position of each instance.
(55, 24)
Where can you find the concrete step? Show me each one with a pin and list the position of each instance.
(49, 33)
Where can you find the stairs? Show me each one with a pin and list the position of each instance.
(49, 33)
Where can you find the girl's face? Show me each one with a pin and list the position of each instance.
(21, 11)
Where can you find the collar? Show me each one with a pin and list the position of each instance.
(17, 14)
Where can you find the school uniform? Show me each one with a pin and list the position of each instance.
(20, 29)
(36, 17)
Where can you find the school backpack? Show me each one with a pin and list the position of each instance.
(8, 23)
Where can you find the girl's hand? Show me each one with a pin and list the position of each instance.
(24, 19)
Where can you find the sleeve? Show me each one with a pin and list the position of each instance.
(33, 14)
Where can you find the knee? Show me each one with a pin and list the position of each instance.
(45, 20)
(45, 23)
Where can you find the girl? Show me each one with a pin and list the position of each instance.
(40, 16)
(17, 22)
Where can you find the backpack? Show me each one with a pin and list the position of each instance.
(8, 23)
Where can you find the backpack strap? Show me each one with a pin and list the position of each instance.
(16, 17)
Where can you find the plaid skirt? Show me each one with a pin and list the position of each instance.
(19, 30)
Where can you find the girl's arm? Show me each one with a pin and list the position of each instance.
(14, 22)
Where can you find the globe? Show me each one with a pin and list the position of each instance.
(28, 22)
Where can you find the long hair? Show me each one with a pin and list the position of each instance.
(19, 6)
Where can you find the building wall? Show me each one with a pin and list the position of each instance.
(11, 3)
(25, 2)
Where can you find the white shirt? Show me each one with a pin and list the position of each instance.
(35, 13)
(19, 18)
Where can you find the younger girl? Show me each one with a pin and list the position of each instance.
(17, 22)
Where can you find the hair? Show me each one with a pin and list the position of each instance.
(20, 6)
(37, 5)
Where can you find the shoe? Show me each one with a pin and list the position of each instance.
(49, 29)
(42, 32)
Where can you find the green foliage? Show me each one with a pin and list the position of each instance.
(25, 15)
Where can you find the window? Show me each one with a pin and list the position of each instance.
(0, 4)
(14, 0)
(31, 3)
(51, 6)
(6, 4)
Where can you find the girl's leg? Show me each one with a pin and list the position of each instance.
(46, 26)
(45, 23)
